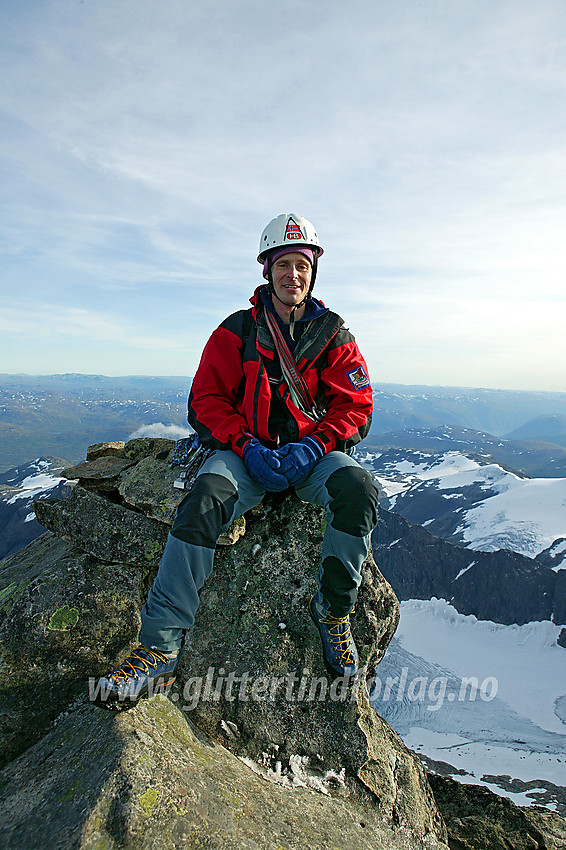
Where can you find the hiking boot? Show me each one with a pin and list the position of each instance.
(340, 653)
(145, 671)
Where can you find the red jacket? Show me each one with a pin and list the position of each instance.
(230, 394)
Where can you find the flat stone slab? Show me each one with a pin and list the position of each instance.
(104, 467)
(148, 487)
(141, 447)
(113, 448)
(108, 531)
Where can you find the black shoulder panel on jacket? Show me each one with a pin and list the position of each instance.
(320, 332)
(243, 326)
(343, 337)
(236, 322)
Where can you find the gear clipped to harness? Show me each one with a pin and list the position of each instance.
(190, 454)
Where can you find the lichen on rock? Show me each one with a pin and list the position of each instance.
(70, 617)
(253, 728)
(106, 530)
(148, 487)
(148, 778)
(63, 619)
(141, 447)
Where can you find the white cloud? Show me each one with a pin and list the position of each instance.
(146, 146)
(159, 429)
(48, 321)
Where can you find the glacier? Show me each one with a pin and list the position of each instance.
(511, 727)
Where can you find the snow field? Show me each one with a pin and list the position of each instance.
(512, 730)
(529, 666)
(525, 515)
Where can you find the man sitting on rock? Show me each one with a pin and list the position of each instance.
(281, 393)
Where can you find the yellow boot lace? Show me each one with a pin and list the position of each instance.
(340, 640)
(135, 664)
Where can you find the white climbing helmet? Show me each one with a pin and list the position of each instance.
(288, 229)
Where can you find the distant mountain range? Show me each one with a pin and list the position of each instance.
(537, 459)
(501, 586)
(547, 429)
(496, 412)
(460, 527)
(60, 415)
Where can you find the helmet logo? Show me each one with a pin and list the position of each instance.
(293, 230)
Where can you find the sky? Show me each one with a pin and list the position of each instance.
(145, 144)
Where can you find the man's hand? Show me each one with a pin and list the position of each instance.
(263, 465)
(298, 459)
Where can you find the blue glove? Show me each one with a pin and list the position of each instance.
(298, 459)
(262, 464)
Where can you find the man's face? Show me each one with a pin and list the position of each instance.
(292, 275)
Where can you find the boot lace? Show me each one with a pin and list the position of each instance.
(135, 664)
(340, 636)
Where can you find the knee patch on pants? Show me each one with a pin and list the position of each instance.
(205, 510)
(354, 500)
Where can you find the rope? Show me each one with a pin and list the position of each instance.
(297, 384)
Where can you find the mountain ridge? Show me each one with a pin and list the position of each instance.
(59, 414)
(19, 487)
(531, 458)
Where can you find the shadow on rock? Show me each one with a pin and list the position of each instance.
(147, 778)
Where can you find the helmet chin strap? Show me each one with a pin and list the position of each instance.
(271, 289)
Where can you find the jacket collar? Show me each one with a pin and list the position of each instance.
(312, 342)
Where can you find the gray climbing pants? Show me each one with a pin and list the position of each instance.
(222, 492)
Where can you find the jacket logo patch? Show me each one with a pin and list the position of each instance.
(359, 378)
(293, 230)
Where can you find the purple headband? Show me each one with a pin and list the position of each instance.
(288, 249)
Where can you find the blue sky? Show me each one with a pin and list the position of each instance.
(146, 143)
